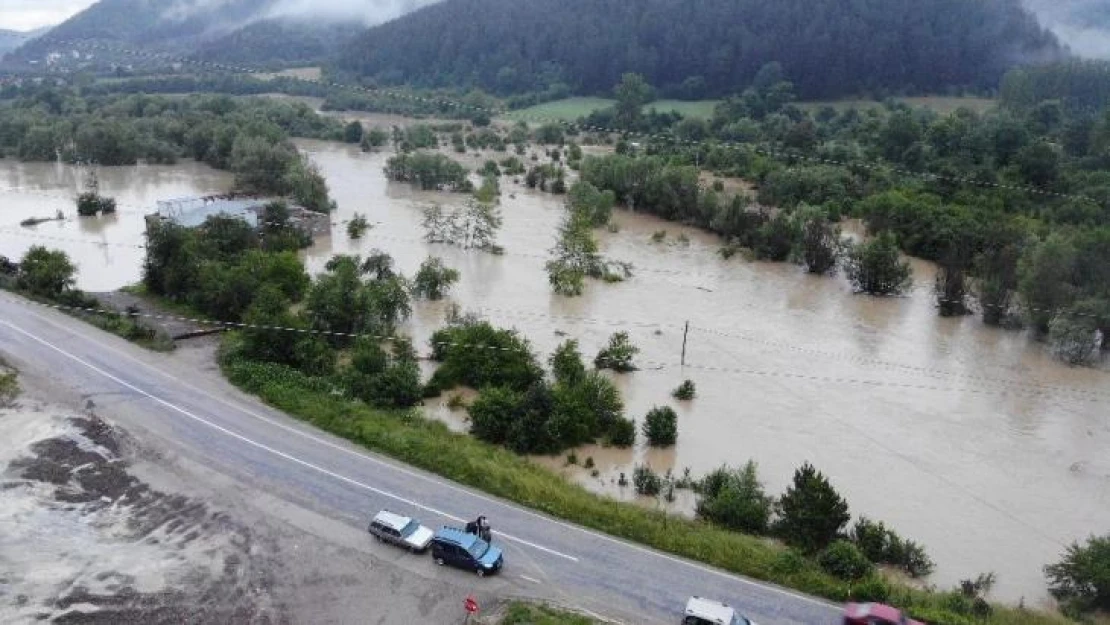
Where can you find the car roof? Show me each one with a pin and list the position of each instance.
(878, 610)
(709, 610)
(390, 519)
(457, 536)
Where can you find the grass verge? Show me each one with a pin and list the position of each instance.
(431, 446)
(521, 613)
(121, 325)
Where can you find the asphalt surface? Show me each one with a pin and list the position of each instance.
(195, 410)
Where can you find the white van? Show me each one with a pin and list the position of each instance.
(708, 612)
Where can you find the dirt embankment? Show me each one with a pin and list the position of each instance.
(87, 542)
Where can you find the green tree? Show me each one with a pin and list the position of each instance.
(845, 561)
(632, 93)
(735, 499)
(661, 426)
(373, 139)
(382, 379)
(357, 226)
(272, 333)
(1073, 337)
(617, 354)
(1046, 279)
(478, 355)
(46, 273)
(811, 513)
(876, 266)
(1081, 579)
(433, 279)
(1039, 164)
(352, 132)
(820, 240)
(685, 391)
(566, 364)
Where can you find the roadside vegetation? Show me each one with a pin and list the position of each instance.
(522, 613)
(49, 277)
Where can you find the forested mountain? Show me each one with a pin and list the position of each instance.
(12, 39)
(163, 25)
(1082, 25)
(827, 47)
(280, 42)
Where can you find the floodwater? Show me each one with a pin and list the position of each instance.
(968, 439)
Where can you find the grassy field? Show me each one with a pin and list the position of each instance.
(570, 109)
(433, 447)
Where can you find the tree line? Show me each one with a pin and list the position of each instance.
(705, 49)
(1014, 256)
(247, 137)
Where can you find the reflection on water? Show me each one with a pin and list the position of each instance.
(960, 436)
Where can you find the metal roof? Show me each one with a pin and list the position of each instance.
(393, 520)
(457, 536)
(709, 610)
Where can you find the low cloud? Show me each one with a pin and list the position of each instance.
(1082, 25)
(369, 12)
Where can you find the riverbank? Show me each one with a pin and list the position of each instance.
(432, 447)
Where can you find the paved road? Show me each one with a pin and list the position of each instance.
(198, 412)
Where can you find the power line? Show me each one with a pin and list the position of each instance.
(642, 365)
(778, 154)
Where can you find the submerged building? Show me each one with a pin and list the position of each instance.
(192, 212)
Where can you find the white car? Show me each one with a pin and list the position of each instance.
(701, 611)
(400, 530)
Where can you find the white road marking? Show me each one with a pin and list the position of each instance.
(530, 579)
(271, 450)
(477, 495)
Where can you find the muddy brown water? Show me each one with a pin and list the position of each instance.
(970, 440)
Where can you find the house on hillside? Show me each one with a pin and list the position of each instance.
(194, 211)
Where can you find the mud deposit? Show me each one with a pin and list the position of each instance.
(85, 541)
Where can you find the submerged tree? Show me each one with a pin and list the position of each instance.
(876, 266)
(433, 279)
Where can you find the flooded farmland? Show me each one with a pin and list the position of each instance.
(970, 440)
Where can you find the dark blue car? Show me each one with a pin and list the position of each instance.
(456, 547)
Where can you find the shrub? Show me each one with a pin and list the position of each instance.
(646, 481)
(46, 273)
(622, 433)
(618, 354)
(735, 499)
(572, 458)
(357, 226)
(1081, 580)
(685, 391)
(811, 513)
(661, 426)
(589, 464)
(433, 279)
(882, 545)
(876, 267)
(844, 560)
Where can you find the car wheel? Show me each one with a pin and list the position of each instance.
(439, 561)
(481, 572)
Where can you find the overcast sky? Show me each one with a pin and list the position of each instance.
(31, 14)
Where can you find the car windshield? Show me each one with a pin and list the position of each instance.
(410, 529)
(479, 549)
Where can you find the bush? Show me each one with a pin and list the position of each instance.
(845, 560)
(646, 481)
(618, 354)
(357, 226)
(504, 358)
(811, 513)
(661, 426)
(735, 499)
(1081, 580)
(622, 433)
(883, 546)
(876, 267)
(433, 279)
(685, 391)
(46, 273)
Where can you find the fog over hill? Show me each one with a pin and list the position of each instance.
(1083, 25)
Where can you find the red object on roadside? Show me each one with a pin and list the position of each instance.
(471, 604)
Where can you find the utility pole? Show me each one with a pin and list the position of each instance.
(685, 332)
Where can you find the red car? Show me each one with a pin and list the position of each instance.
(875, 614)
